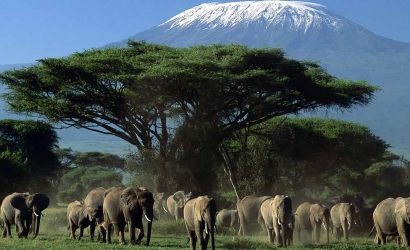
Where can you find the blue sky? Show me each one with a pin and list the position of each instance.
(34, 29)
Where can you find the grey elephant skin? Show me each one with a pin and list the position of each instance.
(309, 218)
(200, 217)
(176, 203)
(249, 214)
(391, 217)
(227, 218)
(277, 215)
(20, 209)
(78, 216)
(160, 205)
(126, 206)
(343, 216)
(94, 201)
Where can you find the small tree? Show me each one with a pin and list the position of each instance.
(27, 158)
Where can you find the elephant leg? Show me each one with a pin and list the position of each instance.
(337, 233)
(7, 228)
(131, 230)
(316, 230)
(92, 230)
(401, 229)
(270, 238)
(192, 240)
(81, 233)
(199, 234)
(119, 230)
(140, 234)
(73, 228)
(345, 229)
(298, 229)
(205, 241)
(19, 228)
(109, 233)
(277, 235)
(241, 225)
(102, 234)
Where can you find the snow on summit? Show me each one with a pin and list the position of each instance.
(294, 15)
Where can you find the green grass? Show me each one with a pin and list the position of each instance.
(165, 235)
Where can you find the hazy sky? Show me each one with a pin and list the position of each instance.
(34, 29)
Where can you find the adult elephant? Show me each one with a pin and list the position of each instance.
(23, 209)
(249, 213)
(200, 217)
(310, 218)
(227, 218)
(391, 217)
(176, 203)
(94, 201)
(343, 215)
(126, 206)
(277, 215)
(160, 204)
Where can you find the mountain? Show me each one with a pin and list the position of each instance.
(307, 31)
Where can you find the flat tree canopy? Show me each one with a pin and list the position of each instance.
(127, 92)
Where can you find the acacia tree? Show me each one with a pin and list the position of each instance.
(134, 92)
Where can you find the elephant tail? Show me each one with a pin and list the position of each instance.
(371, 232)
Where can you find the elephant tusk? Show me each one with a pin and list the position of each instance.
(280, 224)
(147, 218)
(36, 214)
(206, 228)
(166, 211)
(348, 225)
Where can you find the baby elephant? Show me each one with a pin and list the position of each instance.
(78, 216)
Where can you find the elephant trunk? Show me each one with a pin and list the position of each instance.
(213, 240)
(284, 235)
(36, 224)
(149, 225)
(210, 226)
(149, 216)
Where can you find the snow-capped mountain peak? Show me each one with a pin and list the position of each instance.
(294, 15)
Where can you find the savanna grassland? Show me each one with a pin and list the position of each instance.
(165, 235)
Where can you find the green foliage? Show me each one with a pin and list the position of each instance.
(77, 182)
(99, 159)
(27, 158)
(315, 158)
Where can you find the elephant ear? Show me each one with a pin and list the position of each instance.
(159, 196)
(19, 202)
(198, 206)
(41, 201)
(127, 196)
(179, 198)
(316, 216)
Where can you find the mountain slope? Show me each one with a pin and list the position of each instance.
(307, 31)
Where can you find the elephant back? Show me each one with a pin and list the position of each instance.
(95, 198)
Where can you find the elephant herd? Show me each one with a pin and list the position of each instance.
(111, 210)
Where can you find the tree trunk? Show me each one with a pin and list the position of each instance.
(228, 168)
